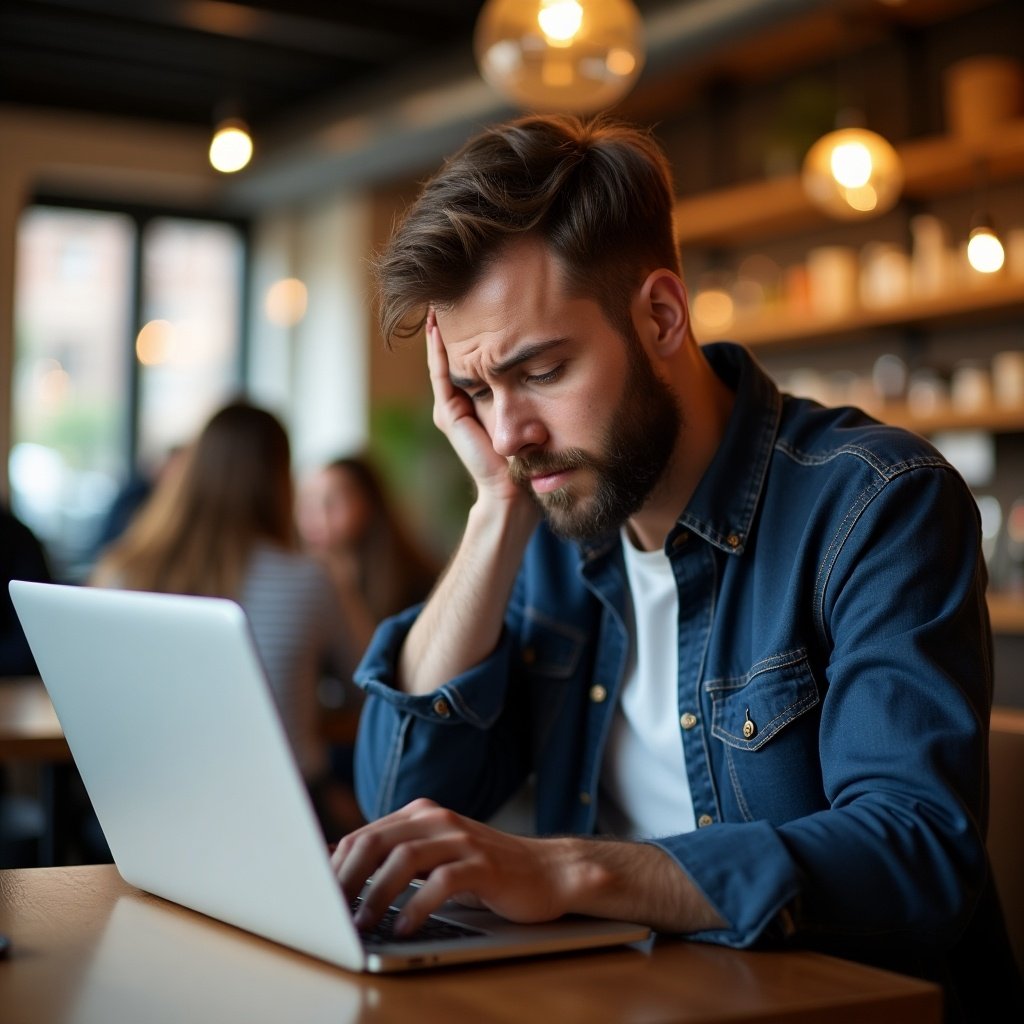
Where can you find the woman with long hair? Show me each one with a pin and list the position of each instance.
(221, 523)
(347, 518)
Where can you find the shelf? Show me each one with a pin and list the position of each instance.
(933, 167)
(1004, 295)
(994, 419)
(1006, 613)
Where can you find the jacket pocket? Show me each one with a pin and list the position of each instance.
(769, 742)
(749, 710)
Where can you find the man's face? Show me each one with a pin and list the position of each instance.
(578, 411)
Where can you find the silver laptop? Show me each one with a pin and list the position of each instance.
(174, 730)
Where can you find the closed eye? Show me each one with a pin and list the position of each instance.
(545, 378)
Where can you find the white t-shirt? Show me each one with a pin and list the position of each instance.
(644, 789)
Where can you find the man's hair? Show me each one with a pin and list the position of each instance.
(597, 192)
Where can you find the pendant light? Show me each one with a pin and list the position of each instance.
(231, 145)
(985, 251)
(576, 56)
(852, 173)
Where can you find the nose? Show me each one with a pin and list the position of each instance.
(515, 427)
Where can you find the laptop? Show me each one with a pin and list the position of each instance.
(174, 730)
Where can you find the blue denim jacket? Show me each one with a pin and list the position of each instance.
(831, 594)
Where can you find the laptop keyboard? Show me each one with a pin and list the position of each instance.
(432, 930)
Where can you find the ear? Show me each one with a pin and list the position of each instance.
(664, 311)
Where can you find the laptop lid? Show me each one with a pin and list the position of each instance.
(175, 733)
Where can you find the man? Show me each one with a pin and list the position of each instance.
(740, 638)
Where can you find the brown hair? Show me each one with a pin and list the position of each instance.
(394, 571)
(230, 489)
(597, 191)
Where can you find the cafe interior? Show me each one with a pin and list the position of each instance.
(191, 191)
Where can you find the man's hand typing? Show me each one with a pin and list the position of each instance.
(520, 878)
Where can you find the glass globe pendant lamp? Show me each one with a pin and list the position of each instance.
(853, 173)
(575, 56)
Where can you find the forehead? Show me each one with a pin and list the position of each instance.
(520, 297)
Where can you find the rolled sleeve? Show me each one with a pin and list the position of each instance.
(410, 746)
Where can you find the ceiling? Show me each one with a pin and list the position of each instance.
(342, 88)
(181, 60)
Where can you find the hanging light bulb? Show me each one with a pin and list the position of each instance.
(566, 55)
(231, 146)
(852, 173)
(984, 250)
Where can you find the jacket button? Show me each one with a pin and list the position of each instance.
(585, 799)
(442, 708)
(681, 539)
(704, 820)
(688, 721)
(733, 540)
(529, 655)
(749, 726)
(598, 693)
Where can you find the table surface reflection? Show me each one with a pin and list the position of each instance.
(89, 949)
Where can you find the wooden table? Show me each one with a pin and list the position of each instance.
(89, 949)
(29, 729)
(30, 732)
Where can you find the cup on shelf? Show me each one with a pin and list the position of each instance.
(807, 382)
(982, 93)
(1008, 379)
(884, 275)
(970, 387)
(796, 289)
(1015, 252)
(927, 393)
(1011, 576)
(930, 259)
(832, 278)
(991, 524)
(889, 378)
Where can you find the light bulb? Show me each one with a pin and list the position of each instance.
(560, 55)
(853, 173)
(231, 147)
(285, 302)
(850, 164)
(560, 21)
(984, 250)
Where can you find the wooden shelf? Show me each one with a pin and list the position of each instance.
(933, 167)
(1002, 295)
(994, 419)
(1006, 613)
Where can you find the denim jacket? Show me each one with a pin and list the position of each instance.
(834, 683)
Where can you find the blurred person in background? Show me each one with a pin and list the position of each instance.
(347, 519)
(129, 499)
(22, 557)
(220, 523)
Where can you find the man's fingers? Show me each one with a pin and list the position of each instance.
(438, 859)
(359, 854)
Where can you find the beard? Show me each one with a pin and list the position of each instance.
(635, 451)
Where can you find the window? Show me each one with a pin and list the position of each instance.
(128, 334)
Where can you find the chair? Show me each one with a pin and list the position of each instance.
(1006, 818)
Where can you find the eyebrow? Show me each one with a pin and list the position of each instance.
(524, 355)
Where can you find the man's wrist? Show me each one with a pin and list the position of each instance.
(630, 881)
